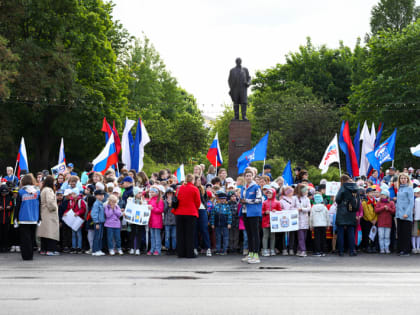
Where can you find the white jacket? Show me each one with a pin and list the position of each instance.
(319, 216)
(417, 209)
(305, 204)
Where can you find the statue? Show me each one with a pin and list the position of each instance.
(239, 81)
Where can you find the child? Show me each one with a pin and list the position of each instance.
(415, 235)
(369, 219)
(270, 205)
(221, 220)
(156, 207)
(286, 203)
(113, 225)
(65, 230)
(79, 211)
(319, 220)
(98, 218)
(385, 209)
(169, 222)
(303, 205)
(136, 231)
(234, 231)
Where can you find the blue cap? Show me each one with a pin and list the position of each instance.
(128, 179)
(70, 165)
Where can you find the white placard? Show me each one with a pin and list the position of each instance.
(137, 214)
(284, 221)
(58, 169)
(74, 222)
(332, 188)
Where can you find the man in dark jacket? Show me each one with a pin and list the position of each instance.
(348, 203)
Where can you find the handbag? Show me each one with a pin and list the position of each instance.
(175, 201)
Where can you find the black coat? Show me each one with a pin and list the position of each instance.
(344, 196)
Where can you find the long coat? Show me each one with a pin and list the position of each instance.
(343, 198)
(49, 227)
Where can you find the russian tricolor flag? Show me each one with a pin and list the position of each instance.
(22, 158)
(107, 157)
(61, 155)
(214, 155)
(180, 174)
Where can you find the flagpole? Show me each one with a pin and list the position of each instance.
(339, 163)
(392, 163)
(14, 172)
(216, 164)
(262, 173)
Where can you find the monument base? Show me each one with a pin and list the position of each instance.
(239, 142)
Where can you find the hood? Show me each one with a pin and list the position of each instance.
(318, 207)
(274, 194)
(352, 187)
(30, 189)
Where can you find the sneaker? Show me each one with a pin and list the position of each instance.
(223, 253)
(254, 260)
(66, 250)
(120, 252)
(208, 253)
(13, 249)
(96, 254)
(101, 253)
(414, 251)
(323, 255)
(272, 252)
(382, 251)
(291, 252)
(73, 251)
(131, 252)
(88, 252)
(245, 252)
(42, 253)
(303, 254)
(17, 248)
(265, 253)
(387, 251)
(316, 255)
(195, 252)
(50, 254)
(246, 258)
(111, 252)
(149, 253)
(156, 253)
(284, 252)
(404, 254)
(138, 252)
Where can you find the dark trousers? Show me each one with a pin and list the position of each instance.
(253, 231)
(27, 239)
(65, 236)
(185, 232)
(203, 229)
(48, 245)
(320, 239)
(13, 236)
(404, 235)
(136, 235)
(350, 237)
(4, 236)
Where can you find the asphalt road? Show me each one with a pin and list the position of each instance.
(81, 284)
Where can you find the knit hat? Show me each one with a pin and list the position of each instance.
(128, 179)
(385, 192)
(318, 199)
(136, 190)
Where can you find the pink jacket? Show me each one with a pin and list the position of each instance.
(156, 220)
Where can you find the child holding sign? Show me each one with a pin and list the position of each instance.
(271, 204)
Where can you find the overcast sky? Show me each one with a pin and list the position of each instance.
(199, 40)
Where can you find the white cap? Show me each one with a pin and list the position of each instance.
(229, 180)
(99, 186)
(109, 185)
(117, 190)
(68, 192)
(417, 189)
(161, 188)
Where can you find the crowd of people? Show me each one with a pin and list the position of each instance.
(208, 213)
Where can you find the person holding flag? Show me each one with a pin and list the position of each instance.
(214, 155)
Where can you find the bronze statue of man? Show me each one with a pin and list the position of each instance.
(239, 81)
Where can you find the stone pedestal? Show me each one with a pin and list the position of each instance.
(239, 142)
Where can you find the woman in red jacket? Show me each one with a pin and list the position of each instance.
(186, 217)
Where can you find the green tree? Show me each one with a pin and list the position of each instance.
(393, 15)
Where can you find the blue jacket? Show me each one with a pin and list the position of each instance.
(253, 200)
(405, 203)
(98, 212)
(28, 205)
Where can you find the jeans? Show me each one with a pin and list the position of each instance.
(350, 238)
(222, 232)
(170, 235)
(97, 238)
(302, 240)
(245, 242)
(76, 238)
(155, 240)
(384, 238)
(90, 236)
(113, 234)
(267, 235)
(202, 227)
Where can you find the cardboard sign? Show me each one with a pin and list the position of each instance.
(137, 214)
(284, 221)
(332, 188)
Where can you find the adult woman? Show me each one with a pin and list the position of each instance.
(48, 231)
(211, 173)
(186, 217)
(251, 210)
(198, 171)
(203, 222)
(348, 204)
(27, 215)
(404, 213)
(60, 181)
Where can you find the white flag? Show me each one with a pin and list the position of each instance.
(125, 143)
(331, 155)
(366, 148)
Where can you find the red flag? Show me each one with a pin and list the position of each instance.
(116, 138)
(107, 129)
(350, 148)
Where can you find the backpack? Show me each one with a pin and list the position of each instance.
(353, 203)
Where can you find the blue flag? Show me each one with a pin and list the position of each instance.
(287, 174)
(356, 143)
(257, 153)
(384, 153)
